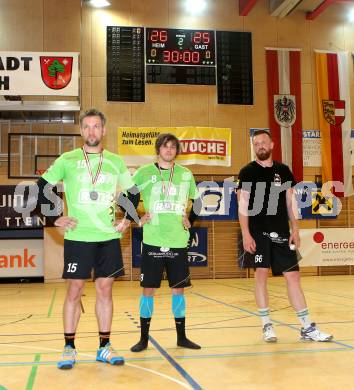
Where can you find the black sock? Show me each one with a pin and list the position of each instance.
(104, 338)
(181, 327)
(144, 335)
(144, 327)
(182, 340)
(70, 339)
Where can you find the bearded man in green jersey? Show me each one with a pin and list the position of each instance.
(91, 176)
(165, 188)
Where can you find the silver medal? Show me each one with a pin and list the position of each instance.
(93, 195)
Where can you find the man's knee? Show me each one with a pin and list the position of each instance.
(75, 289)
(148, 292)
(261, 275)
(178, 291)
(104, 287)
(292, 277)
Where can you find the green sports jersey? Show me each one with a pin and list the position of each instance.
(165, 228)
(95, 217)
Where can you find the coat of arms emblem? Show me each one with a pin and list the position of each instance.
(56, 71)
(285, 110)
(334, 111)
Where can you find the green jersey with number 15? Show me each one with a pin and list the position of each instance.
(95, 217)
(166, 200)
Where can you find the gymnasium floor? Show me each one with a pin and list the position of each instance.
(221, 317)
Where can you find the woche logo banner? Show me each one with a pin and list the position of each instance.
(199, 145)
(327, 247)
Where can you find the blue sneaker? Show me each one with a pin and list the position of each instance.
(108, 355)
(68, 358)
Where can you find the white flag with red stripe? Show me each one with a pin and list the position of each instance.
(334, 116)
(284, 107)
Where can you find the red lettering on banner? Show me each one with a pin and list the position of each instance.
(18, 261)
(203, 147)
(338, 245)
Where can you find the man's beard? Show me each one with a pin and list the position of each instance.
(264, 155)
(93, 143)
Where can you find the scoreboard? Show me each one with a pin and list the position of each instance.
(178, 56)
(180, 47)
(125, 64)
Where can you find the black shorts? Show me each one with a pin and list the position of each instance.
(155, 259)
(272, 251)
(105, 258)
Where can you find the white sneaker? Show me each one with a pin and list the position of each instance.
(268, 334)
(314, 334)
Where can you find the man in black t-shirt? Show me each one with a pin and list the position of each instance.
(266, 205)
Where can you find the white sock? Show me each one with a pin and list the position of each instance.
(304, 318)
(264, 314)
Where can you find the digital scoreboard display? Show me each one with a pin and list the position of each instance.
(125, 64)
(136, 55)
(180, 47)
(234, 70)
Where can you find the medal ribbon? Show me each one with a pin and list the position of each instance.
(169, 181)
(93, 179)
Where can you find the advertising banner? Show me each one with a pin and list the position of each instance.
(313, 204)
(197, 252)
(36, 73)
(327, 247)
(21, 258)
(219, 201)
(199, 145)
(10, 205)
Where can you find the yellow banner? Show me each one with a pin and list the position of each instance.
(199, 145)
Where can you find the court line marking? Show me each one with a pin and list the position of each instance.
(250, 289)
(188, 357)
(159, 373)
(257, 315)
(179, 368)
(33, 373)
(50, 310)
(93, 356)
(330, 294)
(310, 291)
(272, 293)
(168, 357)
(158, 357)
(18, 321)
(265, 353)
(52, 363)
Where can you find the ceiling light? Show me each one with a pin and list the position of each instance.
(98, 3)
(195, 6)
(351, 16)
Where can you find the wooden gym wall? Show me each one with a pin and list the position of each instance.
(49, 25)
